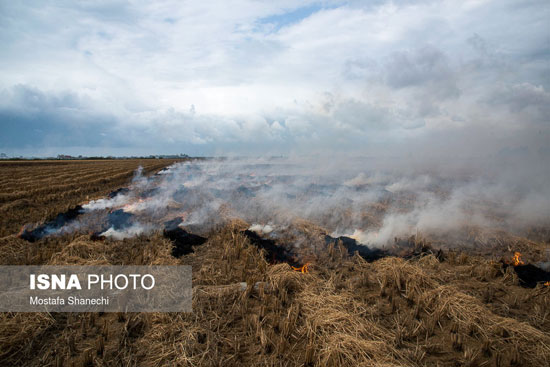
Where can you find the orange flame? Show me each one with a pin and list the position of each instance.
(516, 260)
(302, 269)
(22, 230)
(547, 284)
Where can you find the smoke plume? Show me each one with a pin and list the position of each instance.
(371, 200)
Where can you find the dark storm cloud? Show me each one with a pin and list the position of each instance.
(31, 117)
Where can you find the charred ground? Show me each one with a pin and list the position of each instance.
(37, 191)
(463, 308)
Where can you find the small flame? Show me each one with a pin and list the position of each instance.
(302, 269)
(547, 284)
(134, 207)
(516, 260)
(22, 230)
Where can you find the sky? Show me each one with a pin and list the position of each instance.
(459, 79)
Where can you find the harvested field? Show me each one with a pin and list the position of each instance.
(464, 308)
(34, 191)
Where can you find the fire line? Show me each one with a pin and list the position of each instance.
(516, 260)
(302, 269)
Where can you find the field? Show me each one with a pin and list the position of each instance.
(33, 191)
(462, 308)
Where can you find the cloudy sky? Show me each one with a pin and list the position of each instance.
(464, 78)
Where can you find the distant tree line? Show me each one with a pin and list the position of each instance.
(4, 156)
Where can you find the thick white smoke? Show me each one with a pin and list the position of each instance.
(368, 200)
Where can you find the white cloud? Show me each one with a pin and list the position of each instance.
(264, 74)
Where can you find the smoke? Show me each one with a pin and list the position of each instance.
(371, 200)
(261, 229)
(129, 232)
(101, 204)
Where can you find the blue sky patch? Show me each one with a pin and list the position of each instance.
(294, 16)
